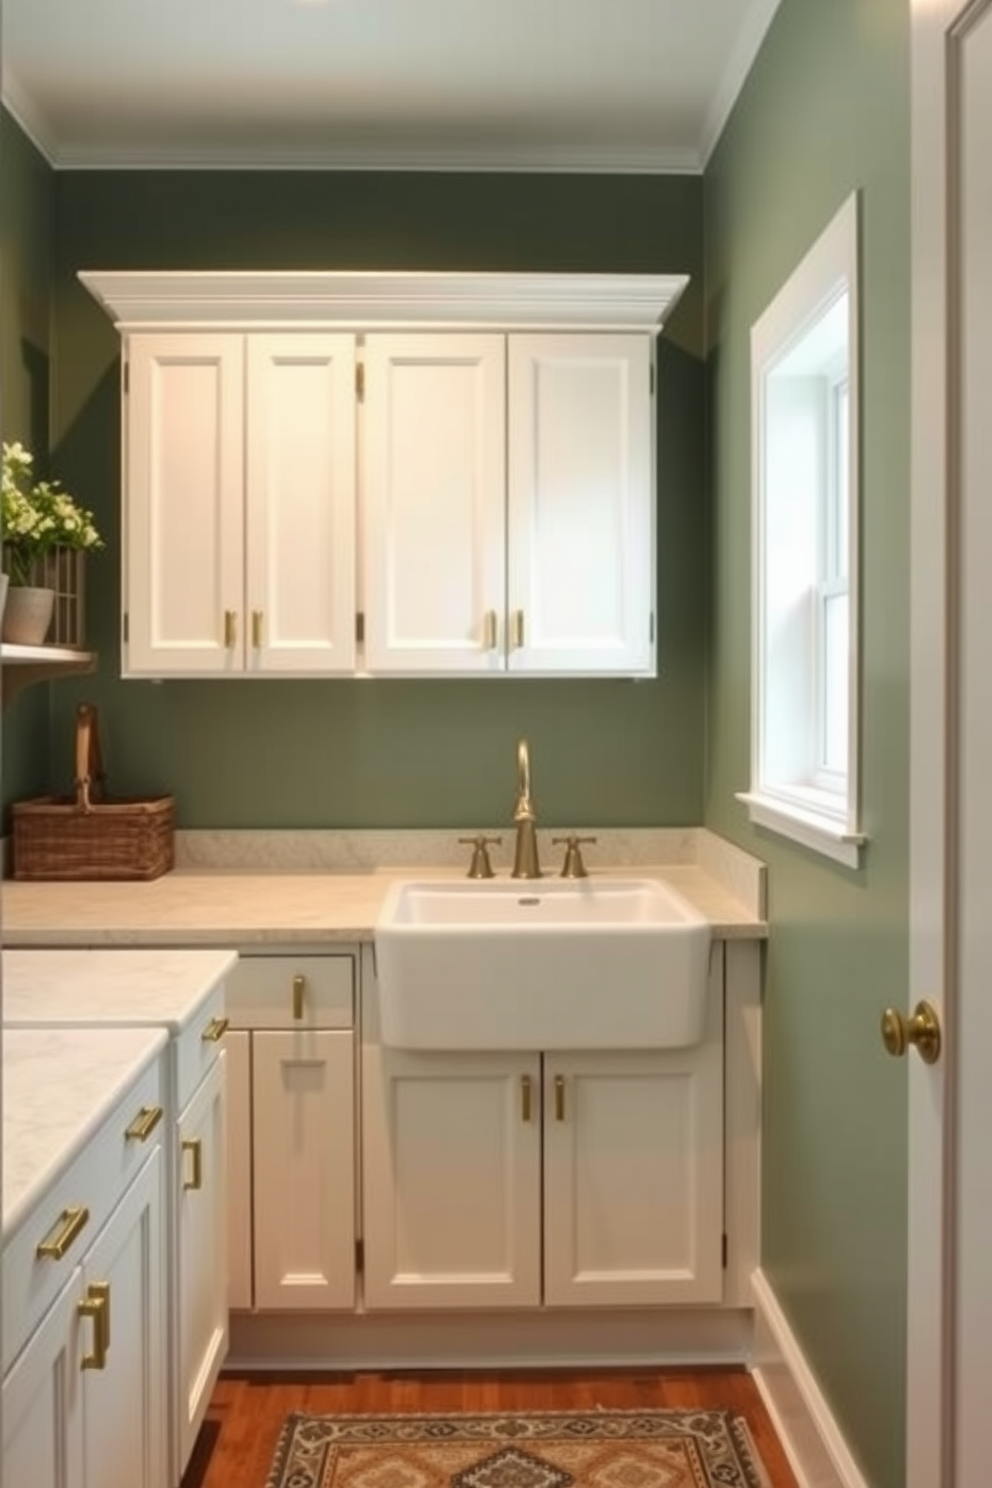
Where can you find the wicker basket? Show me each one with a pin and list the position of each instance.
(93, 835)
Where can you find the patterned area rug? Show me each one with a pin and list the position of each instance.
(550, 1449)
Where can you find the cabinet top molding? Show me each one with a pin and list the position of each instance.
(137, 299)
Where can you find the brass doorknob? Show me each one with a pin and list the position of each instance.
(922, 1030)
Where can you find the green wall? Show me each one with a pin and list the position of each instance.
(825, 110)
(27, 206)
(389, 753)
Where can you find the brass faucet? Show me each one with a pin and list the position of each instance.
(525, 864)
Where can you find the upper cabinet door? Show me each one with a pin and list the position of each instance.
(300, 486)
(184, 543)
(580, 538)
(433, 472)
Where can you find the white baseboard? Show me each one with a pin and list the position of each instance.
(803, 1421)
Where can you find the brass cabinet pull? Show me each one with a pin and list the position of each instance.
(144, 1124)
(525, 1084)
(489, 631)
(299, 990)
(194, 1146)
(518, 629)
(62, 1233)
(230, 629)
(96, 1305)
(256, 629)
(215, 1030)
(559, 1097)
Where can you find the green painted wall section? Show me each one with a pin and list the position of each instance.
(389, 753)
(27, 205)
(826, 109)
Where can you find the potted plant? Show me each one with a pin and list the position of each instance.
(40, 519)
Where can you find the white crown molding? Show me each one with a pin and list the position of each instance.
(757, 21)
(360, 301)
(18, 103)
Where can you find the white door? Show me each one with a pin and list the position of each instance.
(433, 481)
(237, 1046)
(43, 1399)
(633, 1176)
(580, 504)
(304, 1189)
(300, 503)
(451, 1179)
(949, 1434)
(184, 504)
(202, 1251)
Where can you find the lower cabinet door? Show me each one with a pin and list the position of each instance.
(124, 1397)
(633, 1175)
(43, 1401)
(451, 1179)
(201, 1203)
(303, 1096)
(237, 1045)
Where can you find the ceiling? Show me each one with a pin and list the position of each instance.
(592, 85)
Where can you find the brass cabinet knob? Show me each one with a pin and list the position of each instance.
(922, 1030)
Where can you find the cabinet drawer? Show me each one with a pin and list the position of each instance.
(197, 1045)
(292, 992)
(96, 1179)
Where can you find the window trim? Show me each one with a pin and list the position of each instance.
(825, 821)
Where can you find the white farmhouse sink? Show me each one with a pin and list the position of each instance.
(544, 964)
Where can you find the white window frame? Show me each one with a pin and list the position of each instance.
(807, 338)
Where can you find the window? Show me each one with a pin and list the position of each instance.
(804, 398)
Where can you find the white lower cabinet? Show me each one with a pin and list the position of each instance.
(237, 1045)
(568, 1179)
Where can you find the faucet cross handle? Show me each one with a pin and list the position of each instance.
(573, 866)
(480, 866)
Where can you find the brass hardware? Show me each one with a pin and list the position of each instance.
(573, 866)
(62, 1233)
(215, 1030)
(518, 629)
(256, 629)
(525, 1094)
(559, 1097)
(299, 988)
(360, 381)
(127, 626)
(360, 626)
(525, 860)
(194, 1146)
(480, 866)
(96, 1305)
(144, 1124)
(489, 631)
(230, 629)
(922, 1030)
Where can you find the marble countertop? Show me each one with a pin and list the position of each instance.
(196, 907)
(136, 988)
(58, 1086)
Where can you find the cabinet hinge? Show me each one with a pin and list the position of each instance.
(723, 1252)
(360, 626)
(359, 1255)
(360, 381)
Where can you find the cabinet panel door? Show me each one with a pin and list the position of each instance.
(580, 564)
(43, 1401)
(301, 493)
(451, 1179)
(433, 472)
(124, 1404)
(239, 1237)
(634, 1177)
(201, 1205)
(183, 525)
(304, 1191)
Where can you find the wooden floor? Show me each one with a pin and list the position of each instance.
(236, 1444)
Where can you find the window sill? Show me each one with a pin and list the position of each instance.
(813, 829)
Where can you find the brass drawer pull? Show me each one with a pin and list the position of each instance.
(194, 1146)
(215, 1030)
(68, 1225)
(559, 1097)
(144, 1124)
(96, 1305)
(299, 990)
(525, 1102)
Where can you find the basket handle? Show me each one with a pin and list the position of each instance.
(89, 760)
